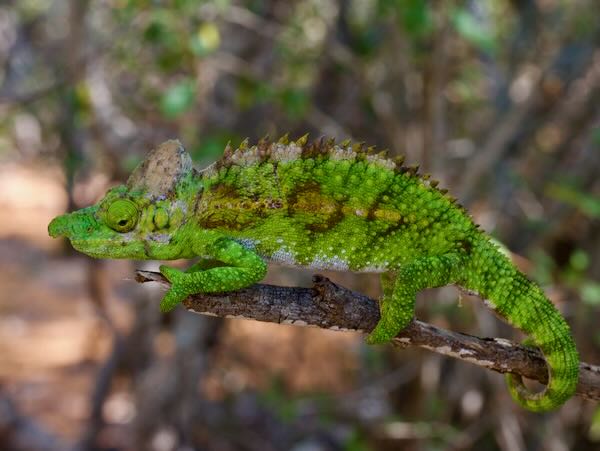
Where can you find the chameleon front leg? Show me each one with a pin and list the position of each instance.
(230, 267)
(205, 263)
(397, 306)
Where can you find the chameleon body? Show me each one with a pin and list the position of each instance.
(326, 206)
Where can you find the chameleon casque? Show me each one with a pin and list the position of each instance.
(322, 205)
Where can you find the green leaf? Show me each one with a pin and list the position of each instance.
(596, 136)
(276, 398)
(154, 32)
(415, 16)
(211, 146)
(251, 92)
(178, 98)
(590, 293)
(206, 40)
(473, 31)
(295, 102)
(356, 442)
(594, 431)
(579, 260)
(588, 204)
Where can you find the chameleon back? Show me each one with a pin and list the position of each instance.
(330, 206)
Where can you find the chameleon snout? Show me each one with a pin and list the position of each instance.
(58, 226)
(77, 225)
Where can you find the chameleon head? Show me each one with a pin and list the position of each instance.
(145, 219)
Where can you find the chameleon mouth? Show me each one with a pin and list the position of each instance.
(98, 248)
(85, 246)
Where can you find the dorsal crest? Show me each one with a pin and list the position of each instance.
(285, 150)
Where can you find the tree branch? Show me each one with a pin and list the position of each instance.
(330, 306)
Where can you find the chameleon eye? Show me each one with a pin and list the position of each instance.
(122, 215)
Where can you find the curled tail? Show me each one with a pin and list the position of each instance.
(523, 304)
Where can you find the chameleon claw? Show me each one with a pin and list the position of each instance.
(171, 300)
(176, 293)
(171, 274)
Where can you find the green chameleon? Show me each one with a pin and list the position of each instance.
(326, 206)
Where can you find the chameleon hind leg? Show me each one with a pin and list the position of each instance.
(397, 306)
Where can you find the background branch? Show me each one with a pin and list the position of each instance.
(330, 306)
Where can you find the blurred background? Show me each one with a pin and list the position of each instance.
(498, 99)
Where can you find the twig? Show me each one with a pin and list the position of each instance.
(330, 306)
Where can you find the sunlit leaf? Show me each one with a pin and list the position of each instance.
(596, 136)
(587, 203)
(415, 16)
(590, 293)
(178, 98)
(473, 30)
(295, 102)
(206, 40)
(594, 431)
(211, 146)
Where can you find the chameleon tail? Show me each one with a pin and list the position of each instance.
(549, 332)
(523, 304)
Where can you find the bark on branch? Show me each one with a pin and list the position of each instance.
(330, 306)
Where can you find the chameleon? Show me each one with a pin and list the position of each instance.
(324, 205)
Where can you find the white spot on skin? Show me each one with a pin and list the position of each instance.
(209, 171)
(127, 237)
(375, 269)
(381, 162)
(335, 263)
(284, 256)
(162, 238)
(247, 157)
(342, 153)
(247, 243)
(403, 340)
(179, 205)
(286, 153)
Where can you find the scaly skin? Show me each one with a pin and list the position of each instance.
(324, 206)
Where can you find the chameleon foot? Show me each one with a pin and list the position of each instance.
(177, 293)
